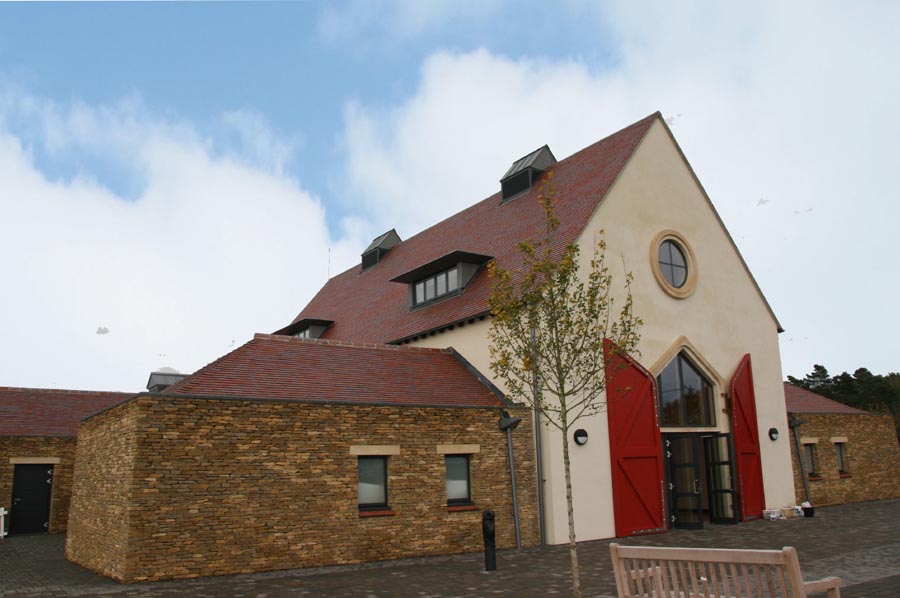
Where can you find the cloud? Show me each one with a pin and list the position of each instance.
(218, 243)
(789, 102)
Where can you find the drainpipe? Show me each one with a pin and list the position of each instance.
(793, 424)
(509, 424)
(538, 443)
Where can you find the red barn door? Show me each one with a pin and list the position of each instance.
(746, 441)
(635, 446)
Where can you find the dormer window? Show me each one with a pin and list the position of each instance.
(445, 276)
(438, 285)
(522, 175)
(378, 248)
(306, 328)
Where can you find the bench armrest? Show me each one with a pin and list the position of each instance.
(832, 585)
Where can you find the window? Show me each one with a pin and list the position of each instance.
(435, 286)
(672, 263)
(843, 466)
(686, 396)
(809, 460)
(373, 483)
(458, 487)
(302, 333)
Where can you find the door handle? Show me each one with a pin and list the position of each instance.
(696, 486)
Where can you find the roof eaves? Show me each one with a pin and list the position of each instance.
(448, 326)
(479, 376)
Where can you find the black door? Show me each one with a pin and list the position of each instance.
(720, 477)
(31, 499)
(683, 459)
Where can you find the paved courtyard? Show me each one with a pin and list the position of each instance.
(860, 543)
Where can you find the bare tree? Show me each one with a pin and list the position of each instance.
(549, 321)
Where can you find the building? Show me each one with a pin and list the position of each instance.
(291, 453)
(706, 322)
(38, 428)
(849, 455)
(220, 472)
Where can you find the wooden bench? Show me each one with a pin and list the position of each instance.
(647, 571)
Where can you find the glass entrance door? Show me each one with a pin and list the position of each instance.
(720, 478)
(683, 460)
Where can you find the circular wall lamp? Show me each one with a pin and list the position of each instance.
(581, 437)
(773, 434)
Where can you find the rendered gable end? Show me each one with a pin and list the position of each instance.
(724, 318)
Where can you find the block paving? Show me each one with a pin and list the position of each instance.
(859, 542)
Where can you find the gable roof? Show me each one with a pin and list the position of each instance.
(50, 412)
(288, 368)
(800, 400)
(366, 306)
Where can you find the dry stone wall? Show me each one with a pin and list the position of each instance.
(213, 487)
(873, 457)
(102, 506)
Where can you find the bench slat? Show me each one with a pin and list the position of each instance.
(714, 573)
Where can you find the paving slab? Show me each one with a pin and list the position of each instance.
(859, 542)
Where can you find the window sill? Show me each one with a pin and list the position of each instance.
(459, 508)
(815, 478)
(845, 474)
(378, 513)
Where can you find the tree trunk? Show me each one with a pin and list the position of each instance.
(573, 547)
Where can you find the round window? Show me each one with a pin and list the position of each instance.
(673, 264)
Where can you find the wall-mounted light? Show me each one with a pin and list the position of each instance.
(773, 434)
(581, 437)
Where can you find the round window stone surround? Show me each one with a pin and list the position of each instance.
(690, 281)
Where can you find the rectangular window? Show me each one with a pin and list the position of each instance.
(435, 286)
(303, 333)
(420, 292)
(809, 460)
(373, 483)
(458, 486)
(841, 448)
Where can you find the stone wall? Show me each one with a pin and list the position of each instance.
(41, 447)
(227, 486)
(98, 536)
(872, 452)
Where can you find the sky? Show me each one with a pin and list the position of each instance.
(175, 177)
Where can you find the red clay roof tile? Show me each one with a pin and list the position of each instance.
(368, 307)
(800, 400)
(50, 412)
(282, 367)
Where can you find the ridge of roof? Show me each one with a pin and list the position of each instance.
(800, 400)
(350, 344)
(644, 121)
(366, 306)
(275, 367)
(65, 391)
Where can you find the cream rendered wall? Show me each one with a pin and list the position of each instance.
(723, 319)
